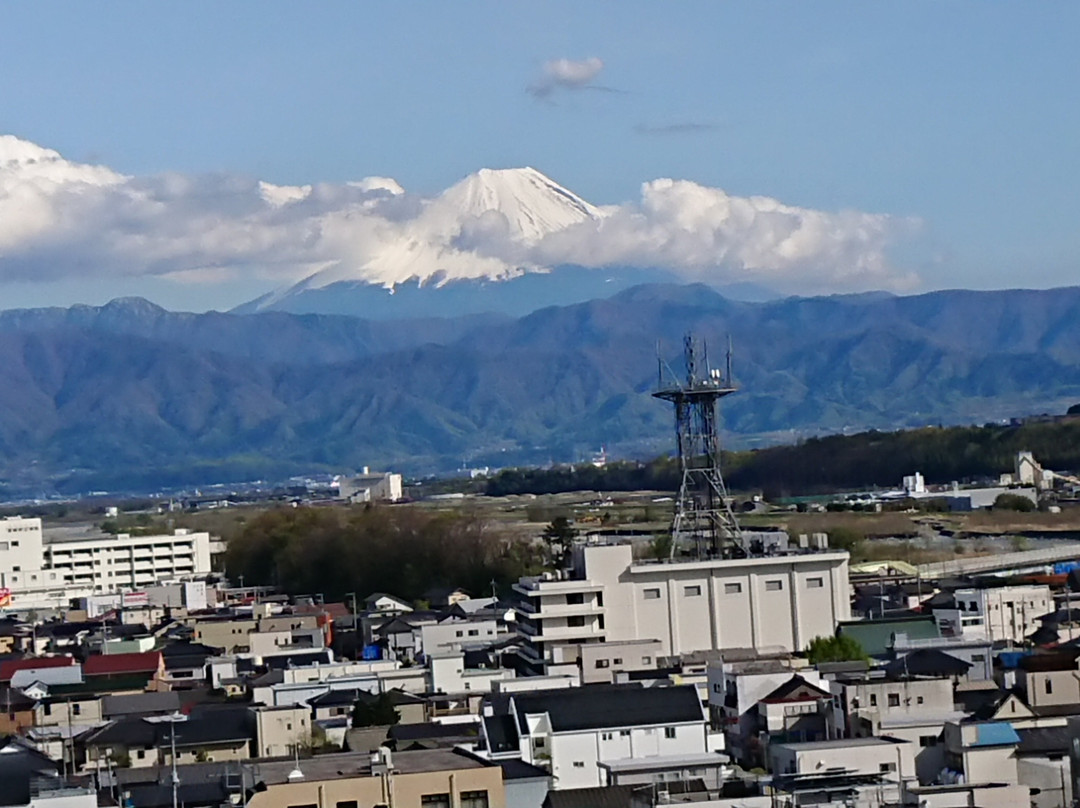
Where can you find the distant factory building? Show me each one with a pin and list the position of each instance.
(368, 487)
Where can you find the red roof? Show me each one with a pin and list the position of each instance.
(8, 669)
(109, 664)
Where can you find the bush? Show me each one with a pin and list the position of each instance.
(835, 649)
(1013, 502)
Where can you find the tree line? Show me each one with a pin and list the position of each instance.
(400, 550)
(832, 463)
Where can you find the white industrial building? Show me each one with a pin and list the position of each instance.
(369, 487)
(45, 568)
(779, 601)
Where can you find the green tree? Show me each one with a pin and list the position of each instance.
(835, 649)
(377, 712)
(1013, 502)
(559, 536)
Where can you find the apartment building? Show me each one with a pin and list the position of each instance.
(778, 601)
(43, 567)
(999, 614)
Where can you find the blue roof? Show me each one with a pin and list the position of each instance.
(995, 733)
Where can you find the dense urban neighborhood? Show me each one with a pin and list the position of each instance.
(765, 668)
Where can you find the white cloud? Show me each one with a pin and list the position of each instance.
(65, 220)
(566, 74)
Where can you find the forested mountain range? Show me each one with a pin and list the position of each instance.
(130, 396)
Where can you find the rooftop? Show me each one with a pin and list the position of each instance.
(347, 765)
(842, 743)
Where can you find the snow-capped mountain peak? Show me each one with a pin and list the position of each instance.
(534, 205)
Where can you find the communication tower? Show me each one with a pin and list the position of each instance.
(704, 522)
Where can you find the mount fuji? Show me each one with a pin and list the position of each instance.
(471, 249)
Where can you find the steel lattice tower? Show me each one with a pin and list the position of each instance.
(703, 519)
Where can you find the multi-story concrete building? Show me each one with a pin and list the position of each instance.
(43, 567)
(1000, 614)
(777, 601)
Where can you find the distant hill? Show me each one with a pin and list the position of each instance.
(129, 396)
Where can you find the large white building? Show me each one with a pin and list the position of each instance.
(998, 614)
(40, 568)
(769, 602)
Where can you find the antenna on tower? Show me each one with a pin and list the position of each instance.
(703, 520)
(729, 379)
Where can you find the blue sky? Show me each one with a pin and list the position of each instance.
(964, 116)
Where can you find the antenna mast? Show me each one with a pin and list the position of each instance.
(704, 522)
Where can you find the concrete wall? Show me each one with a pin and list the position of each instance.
(601, 661)
(407, 789)
(865, 757)
(278, 731)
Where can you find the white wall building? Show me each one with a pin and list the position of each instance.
(368, 487)
(571, 732)
(999, 614)
(42, 567)
(780, 601)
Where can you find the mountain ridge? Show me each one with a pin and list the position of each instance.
(129, 395)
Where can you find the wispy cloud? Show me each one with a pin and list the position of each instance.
(684, 128)
(567, 74)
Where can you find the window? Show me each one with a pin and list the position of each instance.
(617, 661)
(288, 727)
(669, 732)
(624, 733)
(978, 658)
(607, 736)
(473, 799)
(651, 594)
(927, 740)
(76, 709)
(305, 805)
(602, 663)
(459, 633)
(348, 804)
(474, 632)
(894, 699)
(646, 660)
(886, 767)
(435, 800)
(575, 622)
(575, 599)
(579, 764)
(873, 699)
(815, 583)
(732, 589)
(691, 591)
(539, 743)
(1049, 686)
(141, 754)
(774, 586)
(918, 699)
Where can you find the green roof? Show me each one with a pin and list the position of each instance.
(875, 636)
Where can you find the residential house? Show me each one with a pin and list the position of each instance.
(31, 779)
(1003, 614)
(281, 731)
(1050, 682)
(571, 732)
(877, 755)
(420, 779)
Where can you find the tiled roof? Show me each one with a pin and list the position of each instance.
(11, 667)
(607, 706)
(112, 664)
